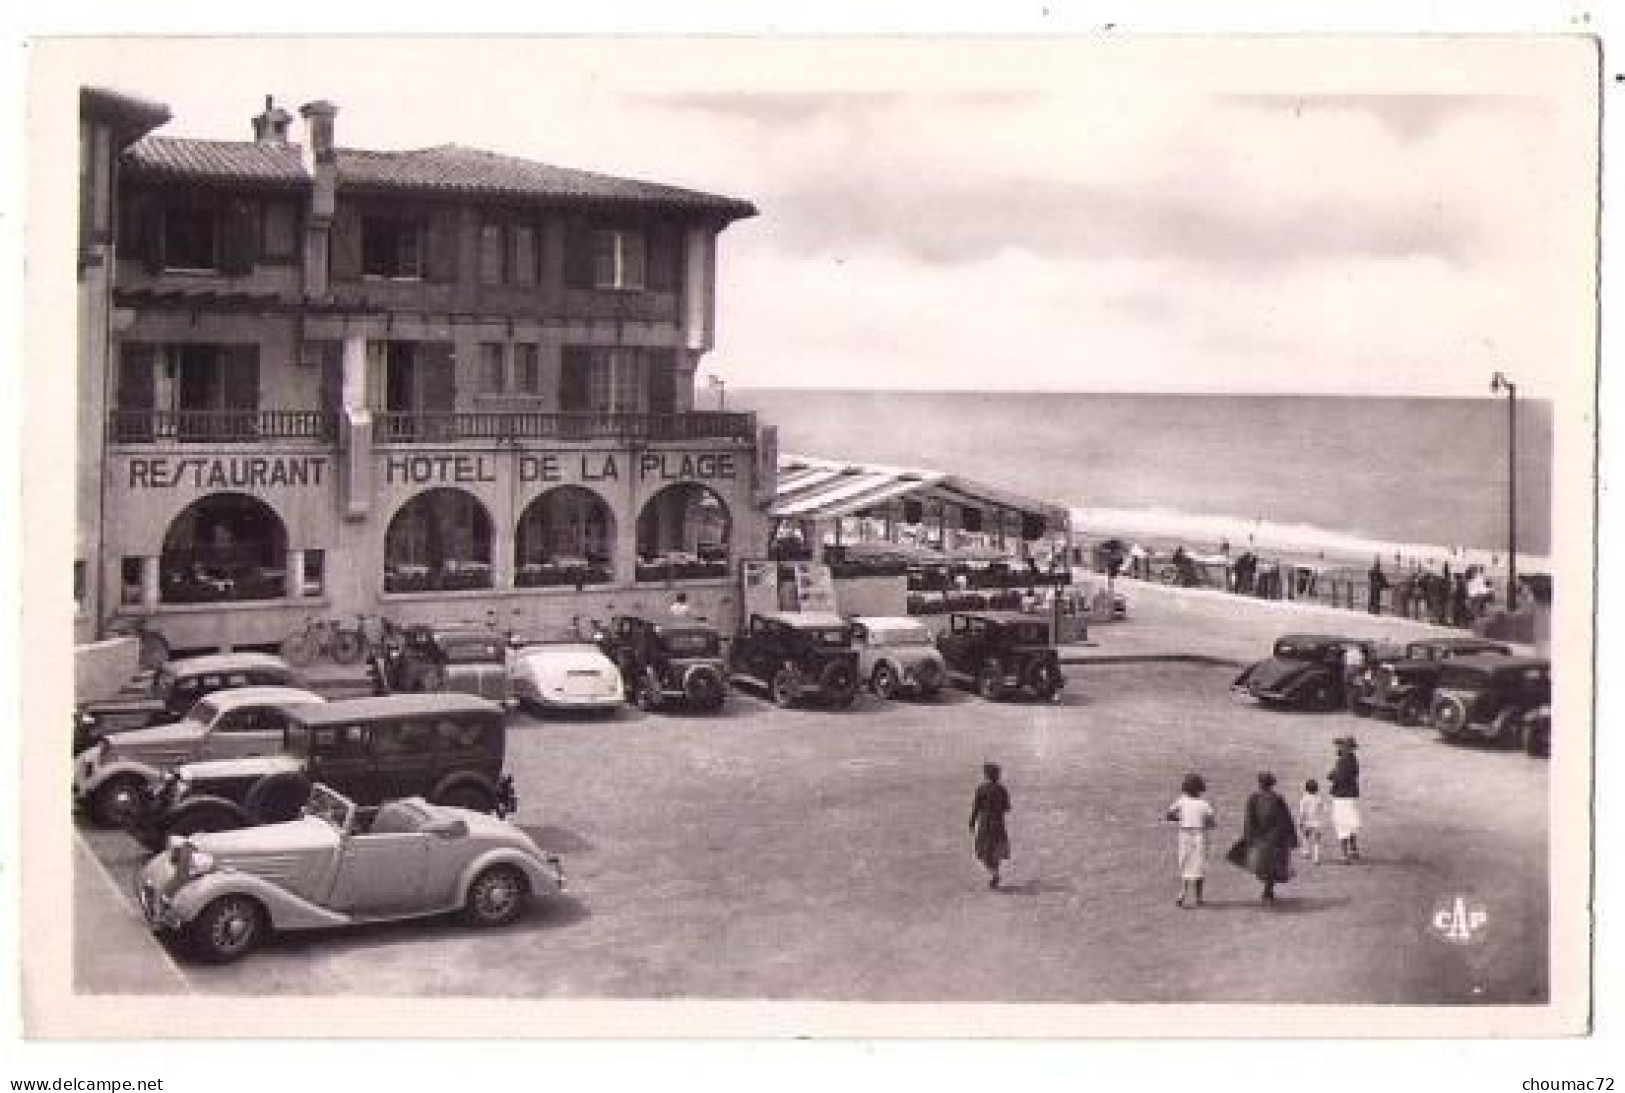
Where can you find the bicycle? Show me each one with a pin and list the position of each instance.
(153, 646)
(303, 647)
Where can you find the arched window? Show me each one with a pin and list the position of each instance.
(441, 539)
(683, 533)
(565, 537)
(228, 546)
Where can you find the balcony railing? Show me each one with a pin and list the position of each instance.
(514, 427)
(220, 426)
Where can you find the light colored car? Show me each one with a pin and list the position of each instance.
(221, 894)
(897, 655)
(110, 777)
(565, 676)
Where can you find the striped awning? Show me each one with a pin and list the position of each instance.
(822, 489)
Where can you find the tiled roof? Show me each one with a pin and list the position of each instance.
(215, 161)
(131, 115)
(453, 168)
(448, 169)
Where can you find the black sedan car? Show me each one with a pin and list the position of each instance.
(1304, 671)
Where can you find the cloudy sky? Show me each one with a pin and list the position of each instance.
(1397, 216)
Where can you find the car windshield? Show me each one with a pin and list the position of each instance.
(901, 635)
(832, 636)
(691, 643)
(471, 649)
(203, 711)
(330, 806)
(1028, 633)
(1287, 649)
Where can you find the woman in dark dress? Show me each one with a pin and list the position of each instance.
(1270, 835)
(987, 811)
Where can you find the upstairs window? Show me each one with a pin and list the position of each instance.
(391, 247)
(619, 259)
(279, 230)
(191, 239)
(527, 369)
(493, 378)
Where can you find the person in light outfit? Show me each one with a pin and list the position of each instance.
(1345, 786)
(1312, 813)
(1195, 818)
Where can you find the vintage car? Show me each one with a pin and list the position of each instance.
(565, 676)
(1489, 696)
(445, 747)
(174, 687)
(109, 777)
(1303, 671)
(673, 661)
(338, 864)
(468, 658)
(1002, 653)
(796, 655)
(897, 656)
(1400, 681)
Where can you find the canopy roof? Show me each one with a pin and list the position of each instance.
(821, 489)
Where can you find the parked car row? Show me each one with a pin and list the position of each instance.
(1463, 687)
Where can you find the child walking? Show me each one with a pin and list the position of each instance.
(1195, 818)
(1313, 810)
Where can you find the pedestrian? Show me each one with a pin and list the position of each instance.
(1195, 818)
(988, 806)
(1459, 603)
(1353, 666)
(1345, 787)
(1268, 836)
(1378, 582)
(1312, 813)
(678, 607)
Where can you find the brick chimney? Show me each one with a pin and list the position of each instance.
(271, 127)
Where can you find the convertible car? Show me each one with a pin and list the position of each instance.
(221, 894)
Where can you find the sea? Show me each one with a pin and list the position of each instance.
(1424, 479)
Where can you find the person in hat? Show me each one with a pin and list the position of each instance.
(1195, 818)
(1270, 835)
(1345, 788)
(991, 840)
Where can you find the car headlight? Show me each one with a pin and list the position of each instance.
(188, 860)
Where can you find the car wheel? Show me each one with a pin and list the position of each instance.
(1505, 727)
(884, 681)
(496, 897)
(225, 929)
(784, 686)
(1449, 716)
(1529, 737)
(1319, 697)
(473, 798)
(117, 801)
(704, 688)
(1045, 684)
(1411, 712)
(990, 680)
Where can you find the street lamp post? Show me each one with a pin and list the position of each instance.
(1498, 383)
(720, 386)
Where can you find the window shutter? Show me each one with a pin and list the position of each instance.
(578, 255)
(239, 228)
(574, 378)
(135, 376)
(344, 253)
(440, 260)
(377, 363)
(240, 377)
(665, 258)
(134, 231)
(153, 249)
(439, 382)
(662, 383)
